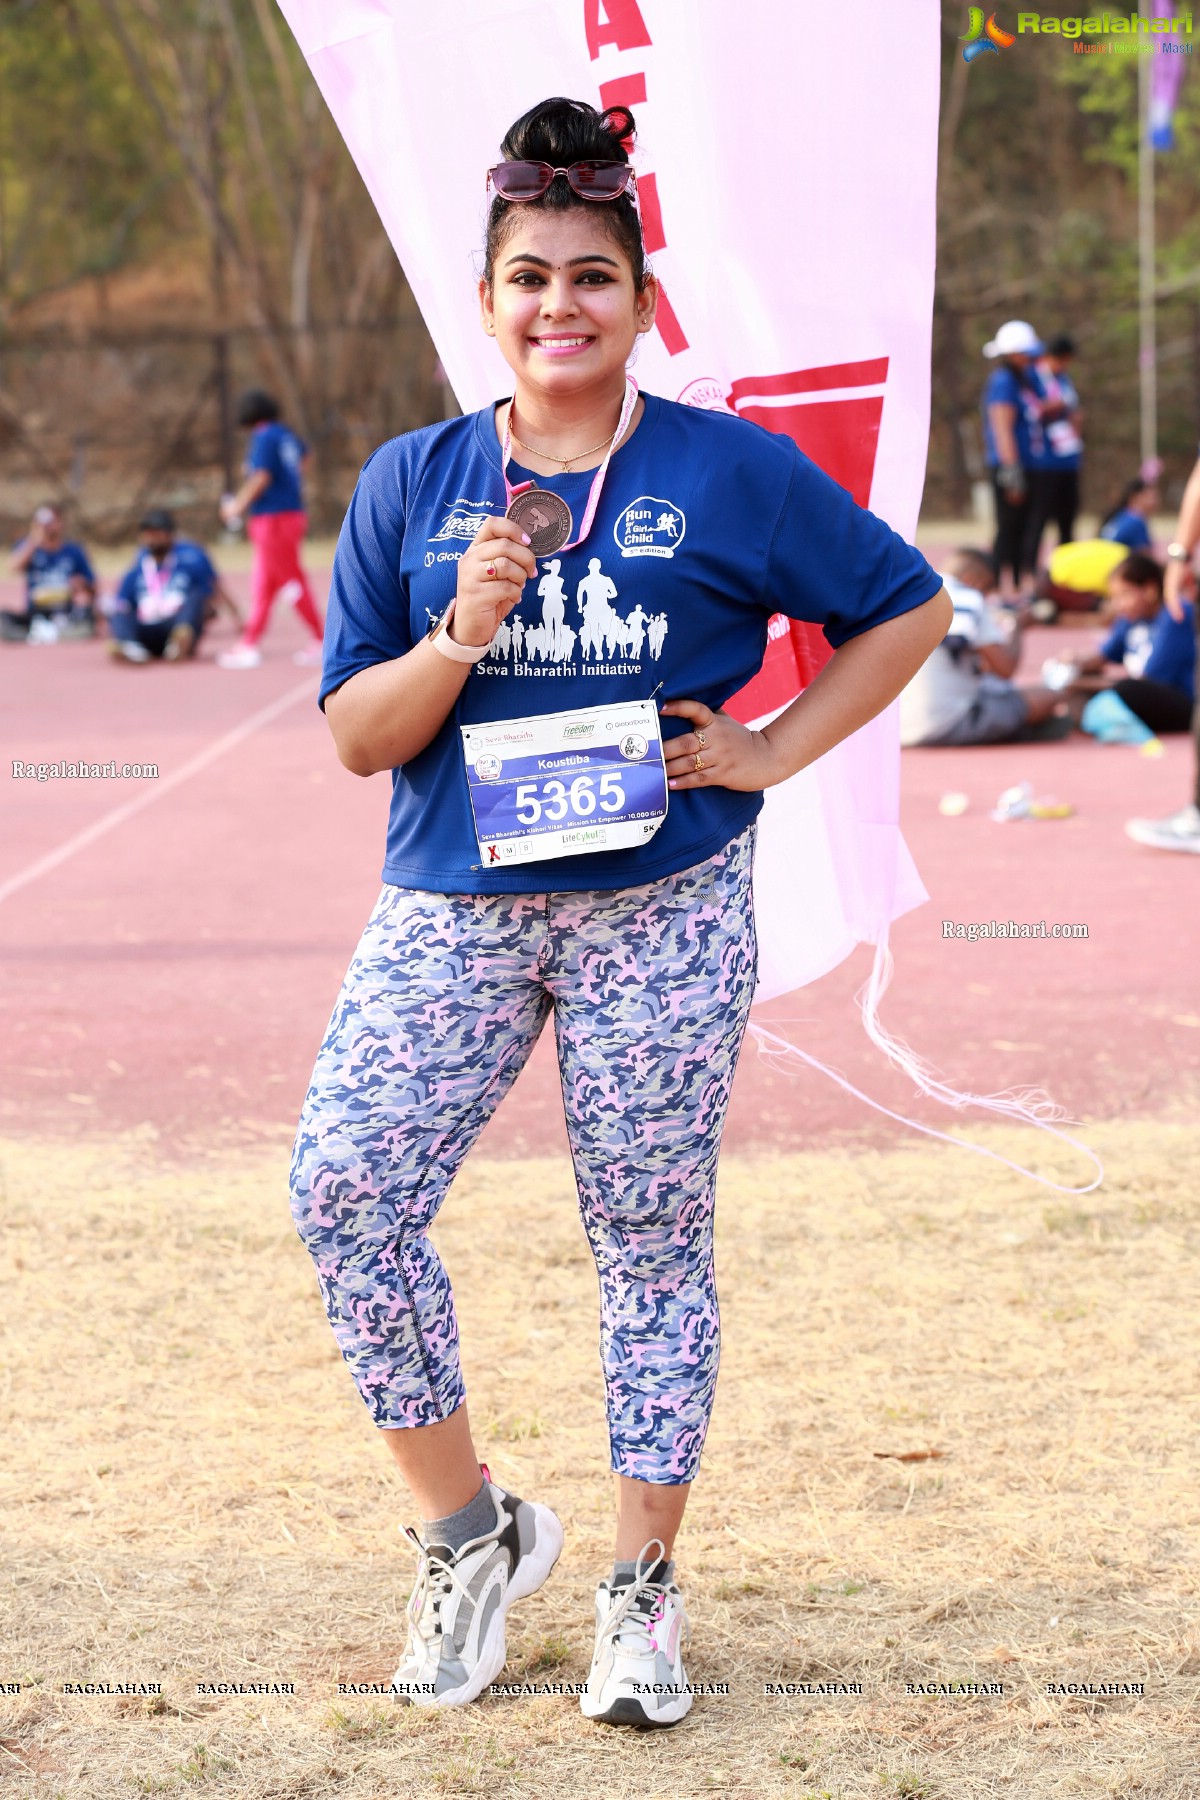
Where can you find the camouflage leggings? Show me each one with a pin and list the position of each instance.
(650, 988)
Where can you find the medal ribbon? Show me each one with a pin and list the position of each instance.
(510, 492)
(157, 580)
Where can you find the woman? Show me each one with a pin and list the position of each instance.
(271, 499)
(1148, 659)
(1015, 445)
(681, 533)
(1054, 487)
(1128, 521)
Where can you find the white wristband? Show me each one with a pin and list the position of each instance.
(459, 653)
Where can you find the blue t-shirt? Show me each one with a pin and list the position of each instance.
(1158, 649)
(278, 450)
(49, 574)
(1007, 386)
(707, 525)
(1128, 528)
(1063, 446)
(159, 592)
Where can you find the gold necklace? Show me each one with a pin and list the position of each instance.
(576, 456)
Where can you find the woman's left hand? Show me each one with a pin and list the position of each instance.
(718, 752)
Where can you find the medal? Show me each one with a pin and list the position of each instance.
(543, 517)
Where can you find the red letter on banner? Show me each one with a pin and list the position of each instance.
(623, 26)
(626, 90)
(653, 235)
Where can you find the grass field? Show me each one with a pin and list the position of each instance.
(192, 1492)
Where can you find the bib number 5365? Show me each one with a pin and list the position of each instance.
(554, 801)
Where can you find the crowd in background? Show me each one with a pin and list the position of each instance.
(158, 611)
(1139, 681)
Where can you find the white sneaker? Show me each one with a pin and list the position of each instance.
(637, 1675)
(311, 658)
(128, 650)
(456, 1613)
(1180, 831)
(245, 656)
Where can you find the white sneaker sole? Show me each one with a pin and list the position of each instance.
(530, 1574)
(627, 1709)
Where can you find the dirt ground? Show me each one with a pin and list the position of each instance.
(954, 1443)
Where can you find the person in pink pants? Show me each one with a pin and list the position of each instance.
(272, 501)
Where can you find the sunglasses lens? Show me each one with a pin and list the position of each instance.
(599, 180)
(521, 180)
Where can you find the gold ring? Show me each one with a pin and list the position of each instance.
(490, 570)
(698, 763)
(700, 739)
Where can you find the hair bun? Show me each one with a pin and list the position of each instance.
(618, 123)
(561, 131)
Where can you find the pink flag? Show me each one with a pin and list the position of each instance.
(792, 230)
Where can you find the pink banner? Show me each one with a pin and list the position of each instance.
(787, 168)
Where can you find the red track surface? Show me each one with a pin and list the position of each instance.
(178, 971)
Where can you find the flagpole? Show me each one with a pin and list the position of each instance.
(1148, 347)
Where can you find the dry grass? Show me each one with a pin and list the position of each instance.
(193, 1491)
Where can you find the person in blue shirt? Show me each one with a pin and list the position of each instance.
(1148, 658)
(1055, 469)
(504, 673)
(1014, 445)
(60, 585)
(162, 602)
(271, 500)
(1126, 522)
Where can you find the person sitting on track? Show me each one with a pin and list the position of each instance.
(1148, 658)
(60, 586)
(1127, 521)
(964, 693)
(162, 604)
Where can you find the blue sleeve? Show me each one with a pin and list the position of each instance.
(367, 620)
(1113, 647)
(1002, 389)
(836, 565)
(128, 590)
(262, 452)
(82, 565)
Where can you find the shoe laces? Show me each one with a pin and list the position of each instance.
(632, 1624)
(436, 1578)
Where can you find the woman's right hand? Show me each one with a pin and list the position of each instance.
(483, 600)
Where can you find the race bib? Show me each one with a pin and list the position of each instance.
(1064, 439)
(566, 783)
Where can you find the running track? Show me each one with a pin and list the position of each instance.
(171, 949)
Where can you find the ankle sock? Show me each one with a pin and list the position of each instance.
(473, 1520)
(624, 1573)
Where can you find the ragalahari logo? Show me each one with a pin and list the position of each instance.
(983, 35)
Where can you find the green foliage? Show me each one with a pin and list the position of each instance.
(1038, 219)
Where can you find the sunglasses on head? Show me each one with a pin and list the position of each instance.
(590, 180)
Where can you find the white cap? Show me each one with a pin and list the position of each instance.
(1015, 339)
